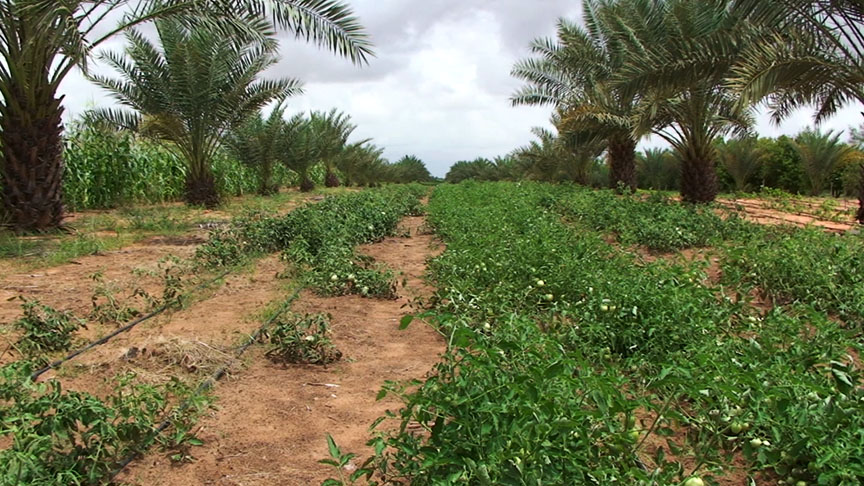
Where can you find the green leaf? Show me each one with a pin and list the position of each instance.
(334, 449)
(405, 322)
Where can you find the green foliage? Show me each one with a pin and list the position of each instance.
(741, 159)
(781, 167)
(803, 265)
(409, 169)
(44, 329)
(820, 153)
(339, 461)
(319, 239)
(657, 223)
(192, 108)
(566, 359)
(106, 168)
(302, 340)
(658, 169)
(69, 437)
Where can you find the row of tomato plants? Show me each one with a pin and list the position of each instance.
(571, 362)
(60, 436)
(825, 271)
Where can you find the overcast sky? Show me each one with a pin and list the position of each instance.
(440, 84)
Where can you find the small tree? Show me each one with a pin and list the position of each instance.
(193, 90)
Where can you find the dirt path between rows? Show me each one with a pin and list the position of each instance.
(270, 424)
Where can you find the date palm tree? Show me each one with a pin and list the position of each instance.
(332, 130)
(43, 40)
(811, 52)
(820, 153)
(574, 73)
(256, 143)
(298, 150)
(689, 108)
(741, 157)
(192, 91)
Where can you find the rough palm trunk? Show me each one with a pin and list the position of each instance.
(622, 163)
(32, 182)
(266, 187)
(201, 186)
(698, 176)
(860, 215)
(331, 179)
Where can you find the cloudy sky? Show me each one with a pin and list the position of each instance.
(440, 84)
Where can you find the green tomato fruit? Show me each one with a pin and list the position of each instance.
(549, 297)
(541, 283)
(756, 443)
(736, 428)
(694, 481)
(633, 435)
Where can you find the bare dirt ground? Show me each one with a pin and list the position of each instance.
(803, 212)
(271, 421)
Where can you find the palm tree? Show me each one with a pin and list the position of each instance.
(687, 107)
(332, 130)
(575, 72)
(256, 143)
(741, 158)
(820, 153)
(810, 52)
(193, 91)
(298, 149)
(658, 169)
(410, 169)
(43, 40)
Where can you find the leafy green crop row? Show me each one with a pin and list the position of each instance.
(656, 222)
(789, 264)
(74, 438)
(570, 364)
(319, 239)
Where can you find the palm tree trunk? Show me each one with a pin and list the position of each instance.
(201, 185)
(860, 215)
(306, 183)
(698, 176)
(622, 163)
(266, 187)
(32, 166)
(331, 179)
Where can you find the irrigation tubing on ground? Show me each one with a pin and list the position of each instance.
(120, 330)
(205, 385)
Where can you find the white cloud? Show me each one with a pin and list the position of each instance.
(439, 87)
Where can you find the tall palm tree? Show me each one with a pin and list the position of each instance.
(43, 40)
(741, 157)
(810, 52)
(332, 130)
(574, 73)
(820, 154)
(256, 143)
(193, 91)
(688, 108)
(298, 149)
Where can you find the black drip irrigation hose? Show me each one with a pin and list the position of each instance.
(204, 386)
(120, 330)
